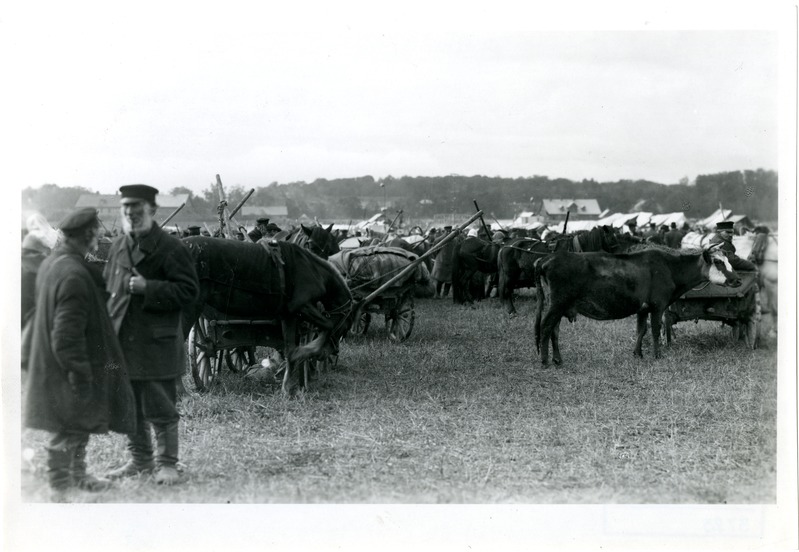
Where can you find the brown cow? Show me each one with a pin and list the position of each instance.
(609, 287)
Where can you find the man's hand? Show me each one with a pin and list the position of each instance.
(137, 284)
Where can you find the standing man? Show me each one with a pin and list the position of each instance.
(151, 278)
(674, 236)
(77, 381)
(260, 229)
(442, 264)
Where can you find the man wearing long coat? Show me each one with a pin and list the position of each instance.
(151, 279)
(442, 264)
(77, 381)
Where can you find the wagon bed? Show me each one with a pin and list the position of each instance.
(737, 307)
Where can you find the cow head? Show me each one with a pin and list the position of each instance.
(720, 271)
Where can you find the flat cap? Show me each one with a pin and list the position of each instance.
(132, 193)
(262, 220)
(79, 219)
(724, 225)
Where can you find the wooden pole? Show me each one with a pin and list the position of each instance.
(565, 222)
(175, 212)
(413, 264)
(224, 228)
(241, 203)
(483, 222)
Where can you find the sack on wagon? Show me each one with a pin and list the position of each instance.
(367, 268)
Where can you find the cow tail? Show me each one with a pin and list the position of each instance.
(539, 304)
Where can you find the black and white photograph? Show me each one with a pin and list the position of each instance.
(401, 276)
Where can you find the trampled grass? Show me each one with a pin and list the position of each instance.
(462, 412)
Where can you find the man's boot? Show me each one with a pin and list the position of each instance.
(141, 452)
(166, 437)
(80, 478)
(58, 475)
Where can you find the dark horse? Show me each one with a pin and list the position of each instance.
(516, 259)
(471, 256)
(320, 241)
(268, 282)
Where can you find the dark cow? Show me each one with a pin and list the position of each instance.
(608, 287)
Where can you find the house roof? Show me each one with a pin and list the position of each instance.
(111, 201)
(579, 206)
(264, 211)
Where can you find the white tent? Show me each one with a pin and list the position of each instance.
(717, 216)
(677, 218)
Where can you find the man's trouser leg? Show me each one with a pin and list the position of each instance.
(80, 477)
(160, 410)
(60, 452)
(139, 443)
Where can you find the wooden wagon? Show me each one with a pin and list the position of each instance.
(738, 308)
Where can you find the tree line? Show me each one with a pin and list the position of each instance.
(751, 192)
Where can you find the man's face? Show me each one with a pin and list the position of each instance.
(137, 216)
(94, 238)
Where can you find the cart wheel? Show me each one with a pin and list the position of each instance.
(202, 355)
(400, 324)
(361, 325)
(240, 358)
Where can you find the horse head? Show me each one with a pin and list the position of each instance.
(320, 241)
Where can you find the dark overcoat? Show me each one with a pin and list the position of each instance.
(442, 264)
(149, 326)
(71, 332)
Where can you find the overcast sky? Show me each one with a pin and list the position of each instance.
(171, 97)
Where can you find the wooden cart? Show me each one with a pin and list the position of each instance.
(738, 308)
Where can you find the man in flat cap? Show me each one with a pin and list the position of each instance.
(151, 278)
(271, 230)
(77, 381)
(724, 230)
(260, 229)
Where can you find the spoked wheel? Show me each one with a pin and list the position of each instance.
(202, 355)
(400, 321)
(240, 358)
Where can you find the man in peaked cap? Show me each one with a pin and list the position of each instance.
(723, 236)
(260, 229)
(77, 380)
(151, 279)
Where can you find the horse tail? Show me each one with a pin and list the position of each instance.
(539, 304)
(457, 285)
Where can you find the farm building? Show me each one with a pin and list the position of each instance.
(554, 210)
(272, 212)
(107, 205)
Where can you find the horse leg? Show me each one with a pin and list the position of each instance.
(550, 320)
(656, 317)
(290, 345)
(506, 280)
(641, 332)
(556, 358)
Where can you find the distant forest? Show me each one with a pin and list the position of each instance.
(751, 192)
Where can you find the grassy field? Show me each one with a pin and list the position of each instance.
(463, 413)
